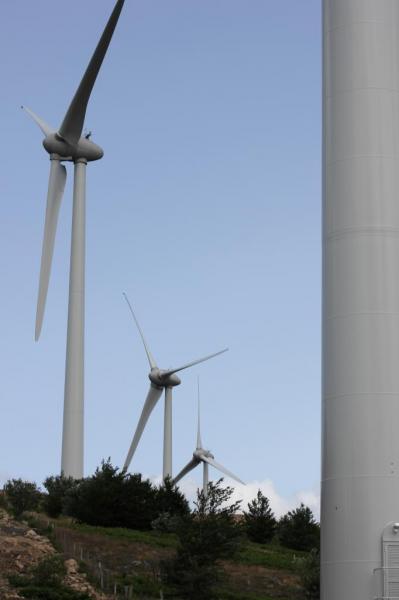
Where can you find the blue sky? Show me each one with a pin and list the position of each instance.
(205, 210)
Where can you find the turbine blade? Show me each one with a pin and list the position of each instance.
(56, 188)
(153, 396)
(43, 126)
(72, 125)
(151, 360)
(194, 362)
(189, 467)
(199, 441)
(221, 468)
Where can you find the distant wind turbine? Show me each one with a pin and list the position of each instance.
(67, 144)
(206, 458)
(160, 380)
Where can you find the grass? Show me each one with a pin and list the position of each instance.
(230, 595)
(151, 538)
(272, 556)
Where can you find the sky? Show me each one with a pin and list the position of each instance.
(205, 210)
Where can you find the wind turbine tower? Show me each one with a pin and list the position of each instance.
(68, 145)
(200, 455)
(360, 451)
(160, 380)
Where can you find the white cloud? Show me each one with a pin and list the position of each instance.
(279, 504)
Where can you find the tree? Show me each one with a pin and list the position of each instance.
(206, 536)
(260, 523)
(170, 505)
(299, 530)
(169, 499)
(57, 489)
(21, 496)
(112, 498)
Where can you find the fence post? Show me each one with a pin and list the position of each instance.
(101, 575)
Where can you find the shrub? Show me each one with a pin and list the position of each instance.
(57, 489)
(260, 523)
(298, 529)
(205, 536)
(21, 496)
(112, 499)
(309, 571)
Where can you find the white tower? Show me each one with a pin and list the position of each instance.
(360, 467)
(67, 144)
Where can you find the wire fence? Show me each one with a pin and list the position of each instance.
(106, 579)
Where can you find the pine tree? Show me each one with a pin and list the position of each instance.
(260, 523)
(299, 530)
(206, 536)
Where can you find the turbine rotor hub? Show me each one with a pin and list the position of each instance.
(161, 378)
(200, 453)
(85, 148)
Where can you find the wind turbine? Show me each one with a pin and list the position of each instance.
(205, 457)
(160, 380)
(67, 144)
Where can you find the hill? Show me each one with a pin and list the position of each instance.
(125, 563)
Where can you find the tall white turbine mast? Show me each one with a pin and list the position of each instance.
(360, 466)
(205, 457)
(68, 145)
(160, 380)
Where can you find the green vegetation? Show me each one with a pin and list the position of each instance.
(298, 530)
(114, 498)
(57, 488)
(45, 582)
(129, 516)
(21, 496)
(152, 538)
(143, 586)
(206, 536)
(230, 595)
(272, 556)
(260, 522)
(309, 570)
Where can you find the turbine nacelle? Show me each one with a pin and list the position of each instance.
(85, 148)
(162, 378)
(200, 453)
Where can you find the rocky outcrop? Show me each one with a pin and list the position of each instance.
(78, 581)
(21, 548)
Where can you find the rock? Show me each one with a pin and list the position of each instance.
(33, 535)
(71, 566)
